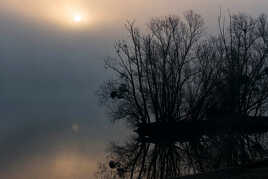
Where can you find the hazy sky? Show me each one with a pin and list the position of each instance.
(50, 67)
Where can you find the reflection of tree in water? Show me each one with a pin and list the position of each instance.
(195, 102)
(145, 160)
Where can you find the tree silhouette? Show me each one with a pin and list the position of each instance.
(196, 102)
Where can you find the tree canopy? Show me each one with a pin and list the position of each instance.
(176, 75)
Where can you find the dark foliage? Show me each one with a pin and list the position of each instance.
(197, 102)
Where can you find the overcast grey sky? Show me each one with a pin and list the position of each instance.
(50, 67)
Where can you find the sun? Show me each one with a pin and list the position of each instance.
(77, 18)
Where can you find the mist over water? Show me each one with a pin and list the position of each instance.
(51, 125)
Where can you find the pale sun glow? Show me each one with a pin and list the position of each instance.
(67, 13)
(77, 18)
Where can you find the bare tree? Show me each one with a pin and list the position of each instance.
(195, 101)
(153, 70)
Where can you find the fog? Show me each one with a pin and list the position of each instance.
(50, 69)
